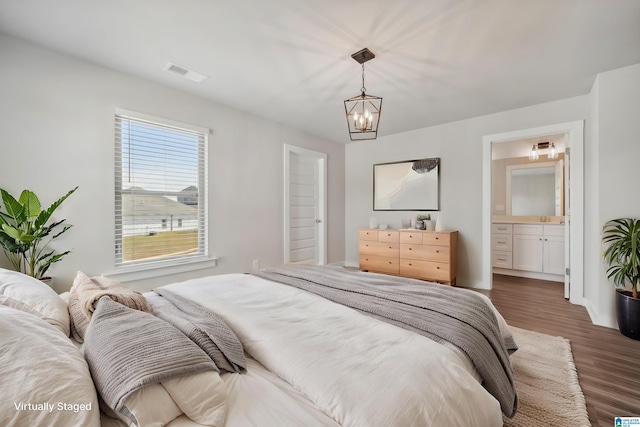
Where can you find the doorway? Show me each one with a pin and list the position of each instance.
(305, 227)
(574, 141)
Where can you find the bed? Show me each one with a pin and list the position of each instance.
(308, 361)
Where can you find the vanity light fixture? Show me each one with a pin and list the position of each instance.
(534, 154)
(363, 111)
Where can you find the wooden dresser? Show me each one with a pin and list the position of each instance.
(426, 255)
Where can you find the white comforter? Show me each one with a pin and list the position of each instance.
(44, 380)
(358, 370)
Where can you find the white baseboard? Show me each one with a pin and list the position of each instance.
(529, 274)
(474, 285)
(597, 319)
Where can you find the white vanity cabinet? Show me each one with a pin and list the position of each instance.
(502, 245)
(538, 248)
(527, 247)
(553, 249)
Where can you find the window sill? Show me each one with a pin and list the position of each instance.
(129, 274)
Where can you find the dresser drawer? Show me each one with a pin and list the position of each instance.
(501, 228)
(502, 259)
(379, 264)
(502, 242)
(425, 269)
(411, 237)
(379, 248)
(389, 236)
(424, 252)
(437, 239)
(368, 234)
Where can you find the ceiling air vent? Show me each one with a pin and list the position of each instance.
(194, 76)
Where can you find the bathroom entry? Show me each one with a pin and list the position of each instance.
(530, 189)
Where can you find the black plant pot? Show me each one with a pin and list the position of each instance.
(628, 311)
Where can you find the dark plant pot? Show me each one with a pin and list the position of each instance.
(628, 311)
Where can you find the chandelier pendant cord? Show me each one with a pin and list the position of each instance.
(363, 89)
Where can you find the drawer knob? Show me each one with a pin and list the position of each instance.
(437, 252)
(410, 236)
(436, 238)
(437, 268)
(389, 262)
(410, 264)
(390, 247)
(410, 249)
(389, 234)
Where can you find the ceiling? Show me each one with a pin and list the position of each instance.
(436, 61)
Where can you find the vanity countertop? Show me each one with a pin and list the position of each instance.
(524, 221)
(551, 220)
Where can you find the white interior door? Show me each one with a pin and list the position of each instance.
(567, 217)
(559, 188)
(305, 206)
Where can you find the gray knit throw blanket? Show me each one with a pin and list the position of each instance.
(128, 349)
(439, 312)
(203, 327)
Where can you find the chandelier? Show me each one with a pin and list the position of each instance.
(363, 111)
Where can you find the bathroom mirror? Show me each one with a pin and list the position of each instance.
(535, 189)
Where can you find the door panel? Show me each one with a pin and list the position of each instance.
(305, 206)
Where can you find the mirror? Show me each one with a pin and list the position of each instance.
(407, 186)
(535, 189)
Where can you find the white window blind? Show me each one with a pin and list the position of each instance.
(160, 191)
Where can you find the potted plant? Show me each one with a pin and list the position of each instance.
(621, 238)
(25, 232)
(426, 222)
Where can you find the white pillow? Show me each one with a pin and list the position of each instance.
(38, 296)
(40, 366)
(201, 396)
(152, 406)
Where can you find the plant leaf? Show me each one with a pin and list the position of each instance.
(44, 216)
(14, 208)
(30, 203)
(42, 268)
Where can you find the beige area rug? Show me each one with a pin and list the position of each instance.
(547, 383)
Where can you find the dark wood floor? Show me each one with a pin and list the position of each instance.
(608, 363)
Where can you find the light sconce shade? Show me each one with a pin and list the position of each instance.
(534, 154)
(363, 111)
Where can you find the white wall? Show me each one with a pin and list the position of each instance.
(57, 131)
(615, 102)
(459, 145)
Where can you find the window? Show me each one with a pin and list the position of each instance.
(160, 176)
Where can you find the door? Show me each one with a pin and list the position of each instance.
(559, 188)
(553, 255)
(305, 206)
(527, 252)
(567, 217)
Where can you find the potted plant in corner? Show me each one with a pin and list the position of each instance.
(25, 232)
(621, 238)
